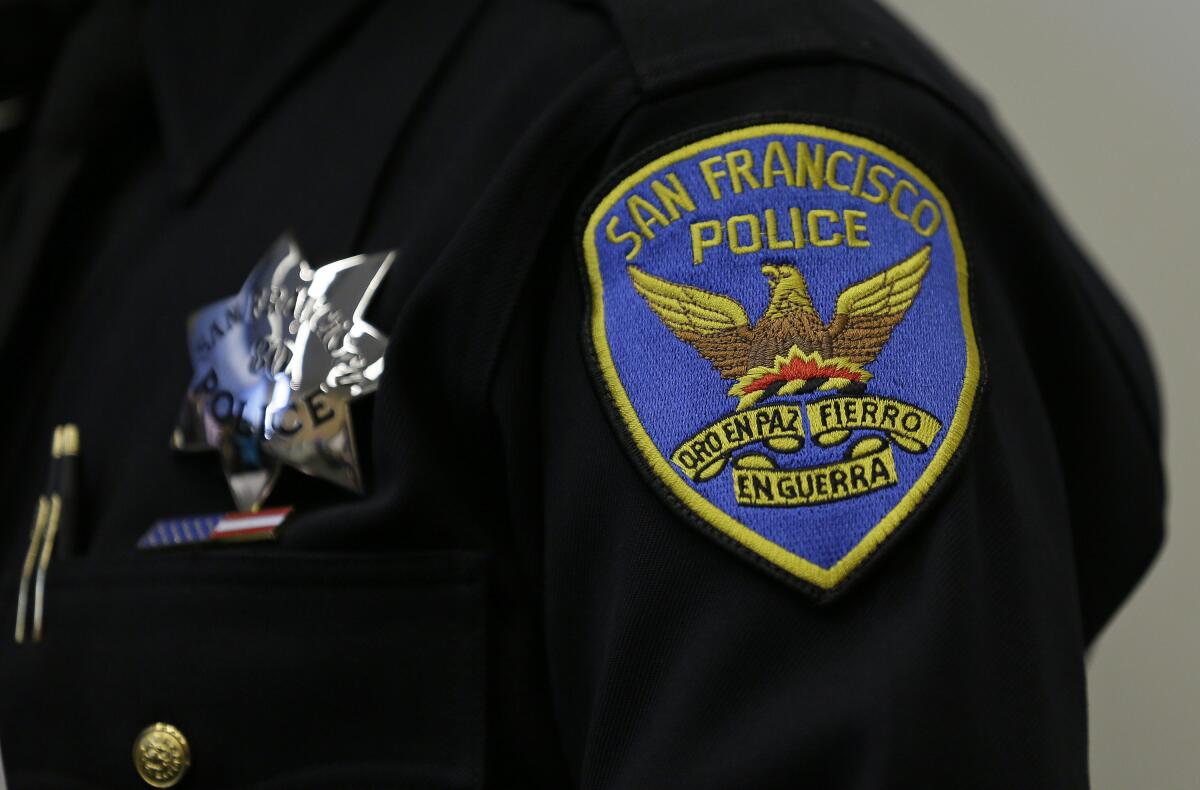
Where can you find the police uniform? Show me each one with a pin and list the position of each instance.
(575, 560)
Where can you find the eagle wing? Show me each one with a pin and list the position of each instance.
(867, 312)
(714, 325)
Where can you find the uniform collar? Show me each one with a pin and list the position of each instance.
(215, 65)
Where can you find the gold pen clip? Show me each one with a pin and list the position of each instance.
(42, 539)
(31, 557)
(39, 587)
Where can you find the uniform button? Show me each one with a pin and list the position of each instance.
(161, 755)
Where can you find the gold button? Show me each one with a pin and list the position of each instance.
(161, 755)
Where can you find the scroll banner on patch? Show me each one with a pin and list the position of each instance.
(832, 420)
(868, 466)
(780, 427)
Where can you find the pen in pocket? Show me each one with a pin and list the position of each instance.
(37, 539)
(53, 529)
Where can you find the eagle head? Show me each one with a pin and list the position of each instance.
(788, 289)
(778, 272)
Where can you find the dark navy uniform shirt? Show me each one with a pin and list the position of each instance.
(513, 603)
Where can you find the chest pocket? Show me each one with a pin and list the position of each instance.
(281, 670)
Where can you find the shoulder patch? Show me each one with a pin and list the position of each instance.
(779, 316)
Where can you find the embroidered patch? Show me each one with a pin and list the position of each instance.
(780, 317)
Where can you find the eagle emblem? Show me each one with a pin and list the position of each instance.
(790, 349)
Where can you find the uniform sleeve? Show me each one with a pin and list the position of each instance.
(679, 656)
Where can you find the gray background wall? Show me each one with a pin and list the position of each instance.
(1079, 83)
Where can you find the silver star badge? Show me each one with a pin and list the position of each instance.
(276, 367)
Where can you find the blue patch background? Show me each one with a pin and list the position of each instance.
(676, 392)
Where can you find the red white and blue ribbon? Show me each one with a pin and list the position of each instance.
(213, 527)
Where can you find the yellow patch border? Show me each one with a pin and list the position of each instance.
(823, 578)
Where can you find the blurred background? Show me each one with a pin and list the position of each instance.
(1077, 84)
